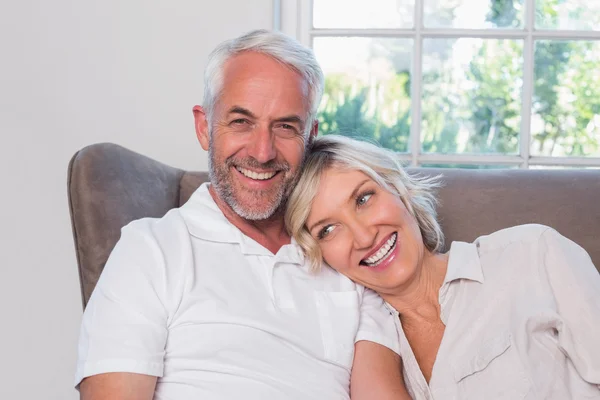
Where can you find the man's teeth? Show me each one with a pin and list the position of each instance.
(383, 251)
(255, 175)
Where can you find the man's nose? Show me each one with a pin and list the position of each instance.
(262, 145)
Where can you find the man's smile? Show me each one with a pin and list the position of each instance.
(261, 176)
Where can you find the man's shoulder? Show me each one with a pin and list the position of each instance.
(176, 221)
(172, 220)
(160, 231)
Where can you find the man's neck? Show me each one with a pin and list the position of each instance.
(270, 233)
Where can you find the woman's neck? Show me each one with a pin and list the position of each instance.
(418, 300)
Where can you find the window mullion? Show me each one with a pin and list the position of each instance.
(416, 85)
(527, 89)
(277, 15)
(475, 159)
(304, 9)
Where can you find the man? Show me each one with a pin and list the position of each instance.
(213, 300)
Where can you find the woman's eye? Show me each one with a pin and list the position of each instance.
(325, 231)
(363, 198)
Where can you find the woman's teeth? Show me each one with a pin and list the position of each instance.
(255, 175)
(376, 258)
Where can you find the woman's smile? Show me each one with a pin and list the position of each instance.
(381, 256)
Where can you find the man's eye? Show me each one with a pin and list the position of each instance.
(363, 198)
(239, 121)
(325, 231)
(286, 129)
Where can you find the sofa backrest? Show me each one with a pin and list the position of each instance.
(110, 186)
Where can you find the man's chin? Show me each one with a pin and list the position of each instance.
(256, 210)
(254, 205)
(253, 214)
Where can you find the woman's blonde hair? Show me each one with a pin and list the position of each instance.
(379, 164)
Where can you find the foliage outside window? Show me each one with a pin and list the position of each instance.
(498, 82)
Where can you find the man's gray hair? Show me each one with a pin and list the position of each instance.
(273, 44)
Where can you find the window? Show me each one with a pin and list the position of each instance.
(471, 83)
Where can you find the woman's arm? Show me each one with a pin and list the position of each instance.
(377, 368)
(376, 373)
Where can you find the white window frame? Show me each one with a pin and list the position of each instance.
(294, 17)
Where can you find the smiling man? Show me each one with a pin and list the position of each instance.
(214, 300)
(256, 135)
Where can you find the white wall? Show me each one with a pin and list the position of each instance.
(73, 73)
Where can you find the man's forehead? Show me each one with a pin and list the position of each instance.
(253, 81)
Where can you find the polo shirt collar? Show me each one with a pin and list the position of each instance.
(206, 221)
(290, 254)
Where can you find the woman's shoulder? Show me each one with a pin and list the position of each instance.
(520, 234)
(531, 247)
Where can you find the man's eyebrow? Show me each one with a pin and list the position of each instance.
(351, 197)
(294, 119)
(241, 110)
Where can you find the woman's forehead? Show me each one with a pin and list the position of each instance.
(335, 188)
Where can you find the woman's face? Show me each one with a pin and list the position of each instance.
(365, 232)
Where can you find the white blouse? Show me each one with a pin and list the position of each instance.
(522, 314)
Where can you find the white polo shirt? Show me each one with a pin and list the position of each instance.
(215, 315)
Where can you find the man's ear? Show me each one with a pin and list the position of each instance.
(201, 125)
(314, 131)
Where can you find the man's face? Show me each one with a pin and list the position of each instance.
(258, 135)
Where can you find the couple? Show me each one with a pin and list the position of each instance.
(227, 298)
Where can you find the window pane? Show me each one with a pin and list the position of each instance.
(567, 14)
(473, 14)
(565, 117)
(367, 88)
(471, 99)
(361, 14)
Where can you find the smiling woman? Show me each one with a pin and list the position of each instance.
(380, 168)
(522, 304)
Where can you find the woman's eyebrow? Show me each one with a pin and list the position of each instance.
(356, 189)
(351, 197)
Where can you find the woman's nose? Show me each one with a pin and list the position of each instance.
(364, 234)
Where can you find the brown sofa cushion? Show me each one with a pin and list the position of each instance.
(110, 186)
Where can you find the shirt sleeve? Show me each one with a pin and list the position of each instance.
(377, 323)
(575, 285)
(124, 326)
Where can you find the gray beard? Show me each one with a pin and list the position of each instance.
(220, 178)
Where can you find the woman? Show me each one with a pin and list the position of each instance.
(514, 315)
